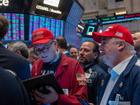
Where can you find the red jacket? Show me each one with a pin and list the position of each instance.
(66, 78)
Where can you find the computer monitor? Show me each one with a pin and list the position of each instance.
(89, 29)
(55, 25)
(16, 26)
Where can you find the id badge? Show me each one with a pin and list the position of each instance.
(119, 103)
(66, 91)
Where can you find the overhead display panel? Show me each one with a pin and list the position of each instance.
(19, 6)
(53, 3)
(52, 8)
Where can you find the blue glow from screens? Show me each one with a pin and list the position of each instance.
(116, 19)
(75, 14)
(56, 26)
(16, 26)
(120, 17)
(121, 20)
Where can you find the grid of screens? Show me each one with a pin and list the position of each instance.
(16, 26)
(56, 26)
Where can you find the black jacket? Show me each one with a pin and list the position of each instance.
(96, 74)
(12, 61)
(12, 91)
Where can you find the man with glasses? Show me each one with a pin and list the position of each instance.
(67, 71)
(122, 86)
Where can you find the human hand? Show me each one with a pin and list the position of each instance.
(91, 104)
(51, 97)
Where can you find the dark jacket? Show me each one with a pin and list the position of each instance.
(96, 75)
(12, 91)
(127, 85)
(12, 61)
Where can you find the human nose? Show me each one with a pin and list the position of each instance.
(81, 52)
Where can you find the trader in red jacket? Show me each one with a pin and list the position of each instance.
(68, 72)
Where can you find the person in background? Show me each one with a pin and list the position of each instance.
(11, 89)
(122, 86)
(136, 38)
(32, 55)
(19, 48)
(10, 60)
(74, 52)
(88, 57)
(62, 45)
(67, 71)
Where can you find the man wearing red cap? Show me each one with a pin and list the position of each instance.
(68, 72)
(122, 87)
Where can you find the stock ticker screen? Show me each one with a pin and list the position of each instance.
(16, 26)
(55, 25)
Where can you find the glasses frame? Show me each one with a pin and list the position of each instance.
(44, 49)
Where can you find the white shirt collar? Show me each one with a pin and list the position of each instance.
(65, 52)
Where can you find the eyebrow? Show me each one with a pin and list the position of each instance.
(46, 45)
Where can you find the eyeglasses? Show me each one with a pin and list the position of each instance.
(73, 52)
(43, 49)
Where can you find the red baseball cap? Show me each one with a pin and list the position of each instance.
(115, 30)
(42, 36)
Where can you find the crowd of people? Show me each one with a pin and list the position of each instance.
(105, 71)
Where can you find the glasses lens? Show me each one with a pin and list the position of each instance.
(43, 48)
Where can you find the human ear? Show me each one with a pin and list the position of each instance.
(121, 45)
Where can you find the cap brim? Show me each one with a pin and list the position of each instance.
(97, 36)
(46, 41)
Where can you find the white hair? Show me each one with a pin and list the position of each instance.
(128, 46)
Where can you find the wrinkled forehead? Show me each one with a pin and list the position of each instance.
(87, 46)
(106, 38)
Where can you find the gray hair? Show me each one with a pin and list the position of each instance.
(19, 46)
(128, 47)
